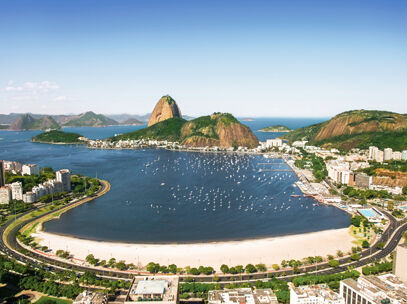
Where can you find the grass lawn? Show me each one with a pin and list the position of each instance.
(45, 299)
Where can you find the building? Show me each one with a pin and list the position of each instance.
(5, 195)
(2, 174)
(12, 166)
(400, 262)
(363, 180)
(315, 294)
(64, 177)
(373, 152)
(276, 142)
(163, 289)
(29, 197)
(374, 290)
(404, 155)
(396, 155)
(30, 169)
(242, 295)
(88, 297)
(388, 154)
(17, 191)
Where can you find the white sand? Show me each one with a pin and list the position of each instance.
(267, 251)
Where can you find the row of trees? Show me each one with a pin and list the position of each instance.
(377, 268)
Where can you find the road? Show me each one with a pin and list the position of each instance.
(394, 231)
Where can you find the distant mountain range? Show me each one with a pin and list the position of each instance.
(25, 121)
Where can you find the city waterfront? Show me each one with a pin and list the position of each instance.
(161, 196)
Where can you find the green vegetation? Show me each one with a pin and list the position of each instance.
(377, 268)
(313, 162)
(394, 165)
(365, 194)
(30, 181)
(276, 128)
(58, 137)
(364, 128)
(178, 130)
(395, 140)
(90, 119)
(169, 129)
(331, 279)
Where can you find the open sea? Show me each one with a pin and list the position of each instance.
(160, 196)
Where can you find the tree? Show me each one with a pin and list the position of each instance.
(390, 206)
(339, 253)
(172, 268)
(250, 268)
(276, 267)
(405, 190)
(261, 267)
(380, 245)
(355, 257)
(224, 268)
(153, 267)
(333, 263)
(365, 244)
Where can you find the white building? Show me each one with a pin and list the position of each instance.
(373, 290)
(158, 290)
(242, 295)
(30, 169)
(373, 152)
(29, 197)
(12, 166)
(17, 191)
(276, 142)
(388, 154)
(404, 155)
(5, 195)
(64, 176)
(316, 294)
(396, 155)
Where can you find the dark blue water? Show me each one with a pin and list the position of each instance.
(164, 196)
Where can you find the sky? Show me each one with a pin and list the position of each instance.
(249, 58)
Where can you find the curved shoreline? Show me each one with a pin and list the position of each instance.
(266, 250)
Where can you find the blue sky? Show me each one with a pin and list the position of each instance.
(250, 58)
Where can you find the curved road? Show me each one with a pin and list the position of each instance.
(12, 248)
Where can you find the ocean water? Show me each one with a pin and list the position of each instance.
(160, 196)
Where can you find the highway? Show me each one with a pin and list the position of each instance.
(394, 231)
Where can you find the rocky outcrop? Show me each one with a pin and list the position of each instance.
(165, 108)
(219, 129)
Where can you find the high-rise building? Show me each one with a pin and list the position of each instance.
(372, 152)
(5, 195)
(396, 155)
(17, 191)
(388, 154)
(64, 176)
(30, 169)
(2, 174)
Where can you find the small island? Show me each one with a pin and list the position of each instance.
(59, 137)
(276, 128)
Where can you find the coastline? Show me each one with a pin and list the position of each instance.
(269, 251)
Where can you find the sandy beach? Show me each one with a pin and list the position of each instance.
(268, 250)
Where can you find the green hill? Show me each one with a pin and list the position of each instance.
(90, 119)
(58, 137)
(169, 129)
(28, 122)
(356, 129)
(276, 128)
(218, 129)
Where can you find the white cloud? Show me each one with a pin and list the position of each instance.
(34, 87)
(60, 98)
